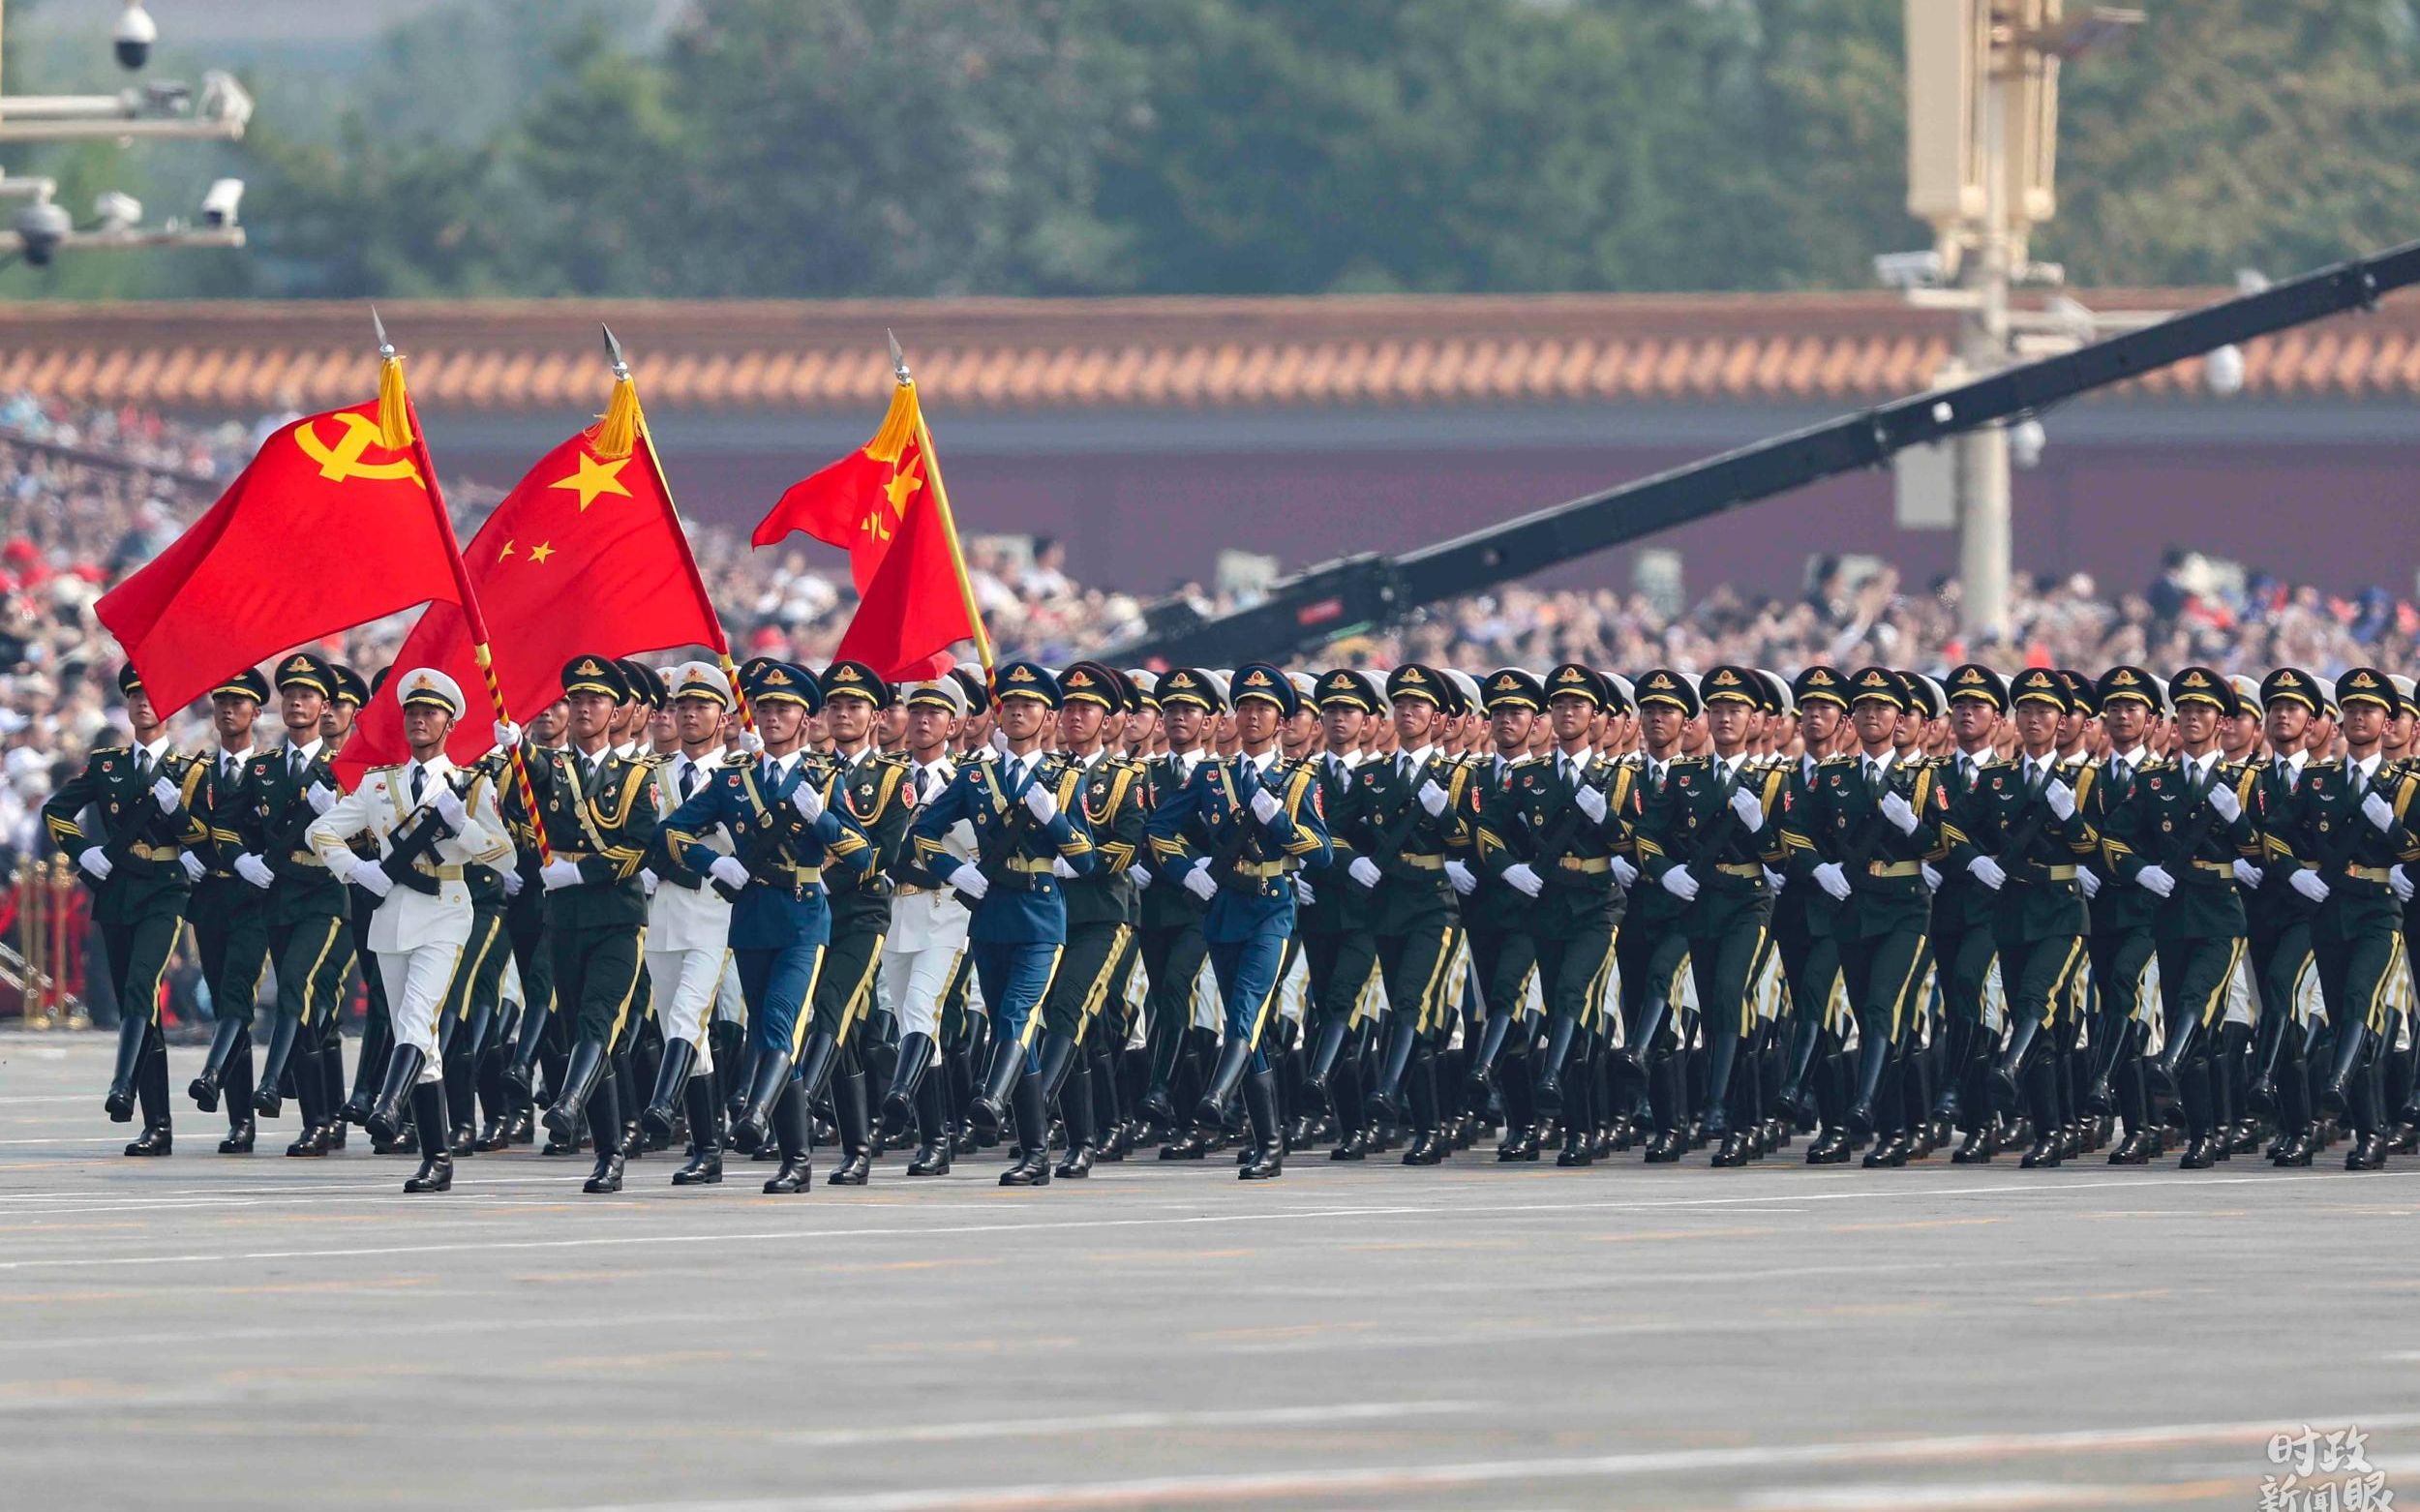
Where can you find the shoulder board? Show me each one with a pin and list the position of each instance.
(1837, 760)
(375, 771)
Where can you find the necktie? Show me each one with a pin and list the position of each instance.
(923, 784)
(418, 774)
(293, 763)
(1873, 773)
(689, 780)
(142, 767)
(1403, 765)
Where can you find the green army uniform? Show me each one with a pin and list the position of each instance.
(229, 921)
(1332, 924)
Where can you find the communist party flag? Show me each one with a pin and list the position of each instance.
(586, 556)
(884, 503)
(331, 525)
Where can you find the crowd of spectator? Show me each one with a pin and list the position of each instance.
(91, 494)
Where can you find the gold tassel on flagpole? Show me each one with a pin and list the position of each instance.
(899, 425)
(394, 419)
(616, 430)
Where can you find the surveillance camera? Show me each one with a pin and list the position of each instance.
(2026, 439)
(1910, 269)
(2224, 369)
(219, 205)
(133, 36)
(116, 211)
(40, 229)
(224, 101)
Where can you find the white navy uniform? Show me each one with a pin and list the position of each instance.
(927, 935)
(688, 928)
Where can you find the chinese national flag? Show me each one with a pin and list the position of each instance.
(584, 555)
(859, 502)
(328, 528)
(914, 609)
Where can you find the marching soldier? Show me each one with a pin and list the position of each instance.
(2278, 921)
(1404, 819)
(1708, 839)
(924, 953)
(1101, 904)
(1190, 700)
(230, 930)
(305, 911)
(871, 788)
(2021, 834)
(426, 832)
(1862, 834)
(1024, 807)
(2122, 917)
(689, 934)
(142, 797)
(1496, 912)
(1803, 918)
(1650, 949)
(785, 835)
(1963, 939)
(2179, 840)
(597, 813)
(1234, 836)
(1332, 921)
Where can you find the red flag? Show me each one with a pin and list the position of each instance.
(585, 554)
(329, 527)
(859, 502)
(916, 608)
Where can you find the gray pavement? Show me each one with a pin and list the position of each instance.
(208, 1331)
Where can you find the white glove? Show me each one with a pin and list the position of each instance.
(2061, 798)
(1459, 876)
(2223, 798)
(1773, 879)
(807, 801)
(1680, 884)
(558, 874)
(1265, 804)
(1985, 870)
(1524, 879)
(2248, 875)
(163, 793)
(341, 865)
(2090, 882)
(1141, 875)
(2400, 880)
(1060, 869)
(1833, 878)
(648, 882)
(449, 807)
(969, 880)
(96, 861)
(751, 742)
(2156, 881)
(1932, 875)
(1896, 809)
(372, 880)
(2311, 885)
(253, 869)
(2375, 807)
(732, 873)
(1624, 873)
(512, 882)
(1748, 807)
(1365, 871)
(1432, 797)
(1303, 892)
(323, 798)
(1039, 800)
(507, 734)
(1197, 880)
(1592, 803)
(193, 869)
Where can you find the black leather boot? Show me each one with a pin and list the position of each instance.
(770, 1083)
(1268, 1161)
(603, 1106)
(311, 1096)
(151, 1091)
(225, 1035)
(266, 1100)
(134, 1033)
(1032, 1167)
(706, 1135)
(898, 1104)
(585, 1072)
(437, 1161)
(988, 1113)
(1075, 1106)
(790, 1131)
(2004, 1076)
(672, 1084)
(378, 1042)
(2352, 1042)
(932, 1127)
(384, 1120)
(522, 1072)
(1873, 1056)
(1225, 1078)
(1385, 1098)
(857, 1133)
(1546, 1086)
(1319, 1077)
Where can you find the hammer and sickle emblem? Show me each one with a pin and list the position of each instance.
(343, 460)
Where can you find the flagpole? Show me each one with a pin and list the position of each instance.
(688, 559)
(941, 501)
(391, 372)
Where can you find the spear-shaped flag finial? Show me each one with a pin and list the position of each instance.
(613, 350)
(386, 348)
(898, 358)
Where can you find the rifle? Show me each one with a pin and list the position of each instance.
(1876, 830)
(1715, 837)
(2016, 842)
(781, 830)
(1237, 835)
(428, 827)
(2179, 855)
(1391, 839)
(1547, 854)
(144, 827)
(992, 852)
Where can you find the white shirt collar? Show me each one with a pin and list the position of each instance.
(2367, 767)
(156, 751)
(1730, 765)
(2297, 758)
(310, 752)
(1885, 761)
(1420, 757)
(238, 757)
(945, 769)
(2133, 759)
(1261, 762)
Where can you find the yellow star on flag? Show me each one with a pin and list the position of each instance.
(540, 552)
(594, 477)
